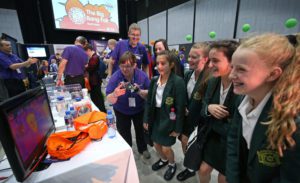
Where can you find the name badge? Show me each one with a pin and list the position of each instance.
(138, 57)
(18, 71)
(131, 102)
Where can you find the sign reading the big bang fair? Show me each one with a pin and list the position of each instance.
(91, 15)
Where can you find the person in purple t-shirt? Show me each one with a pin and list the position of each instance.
(127, 90)
(72, 65)
(132, 45)
(108, 60)
(11, 67)
(56, 57)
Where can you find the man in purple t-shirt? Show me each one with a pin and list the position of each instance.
(132, 45)
(72, 65)
(11, 69)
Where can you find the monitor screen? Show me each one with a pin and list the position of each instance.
(26, 123)
(88, 15)
(36, 51)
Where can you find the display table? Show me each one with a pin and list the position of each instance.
(108, 160)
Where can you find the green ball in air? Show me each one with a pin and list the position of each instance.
(246, 27)
(290, 23)
(212, 34)
(188, 37)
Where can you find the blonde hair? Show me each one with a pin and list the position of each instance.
(112, 41)
(286, 105)
(273, 48)
(204, 46)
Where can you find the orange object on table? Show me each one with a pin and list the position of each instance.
(93, 123)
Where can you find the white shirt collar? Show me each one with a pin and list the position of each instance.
(159, 83)
(250, 118)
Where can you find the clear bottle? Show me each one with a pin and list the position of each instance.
(172, 114)
(60, 106)
(73, 112)
(68, 99)
(111, 123)
(68, 120)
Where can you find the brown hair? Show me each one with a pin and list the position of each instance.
(170, 57)
(228, 47)
(127, 57)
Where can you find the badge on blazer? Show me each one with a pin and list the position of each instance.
(268, 158)
(197, 96)
(169, 100)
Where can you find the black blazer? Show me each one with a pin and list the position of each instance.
(263, 165)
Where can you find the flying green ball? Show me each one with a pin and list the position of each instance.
(188, 37)
(290, 23)
(212, 34)
(246, 27)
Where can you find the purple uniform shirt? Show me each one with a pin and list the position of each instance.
(77, 59)
(122, 104)
(139, 51)
(5, 61)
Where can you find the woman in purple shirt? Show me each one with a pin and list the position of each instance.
(127, 90)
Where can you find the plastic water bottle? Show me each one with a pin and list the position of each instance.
(68, 99)
(60, 106)
(73, 112)
(68, 120)
(172, 114)
(111, 124)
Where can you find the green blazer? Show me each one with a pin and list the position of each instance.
(173, 96)
(212, 96)
(262, 164)
(193, 104)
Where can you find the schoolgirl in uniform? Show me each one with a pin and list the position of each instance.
(217, 109)
(166, 96)
(196, 83)
(256, 142)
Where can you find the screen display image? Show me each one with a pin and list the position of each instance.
(29, 124)
(90, 15)
(36, 52)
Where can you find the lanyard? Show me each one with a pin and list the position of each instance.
(135, 50)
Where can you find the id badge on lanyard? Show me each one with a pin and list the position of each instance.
(131, 101)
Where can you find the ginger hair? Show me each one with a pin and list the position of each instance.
(286, 106)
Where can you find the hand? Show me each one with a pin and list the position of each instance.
(174, 134)
(32, 60)
(59, 82)
(218, 111)
(119, 91)
(289, 139)
(145, 126)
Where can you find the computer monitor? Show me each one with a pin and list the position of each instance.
(26, 122)
(35, 51)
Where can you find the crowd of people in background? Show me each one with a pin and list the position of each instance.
(243, 97)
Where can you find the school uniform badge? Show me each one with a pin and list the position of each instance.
(268, 158)
(197, 96)
(169, 101)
